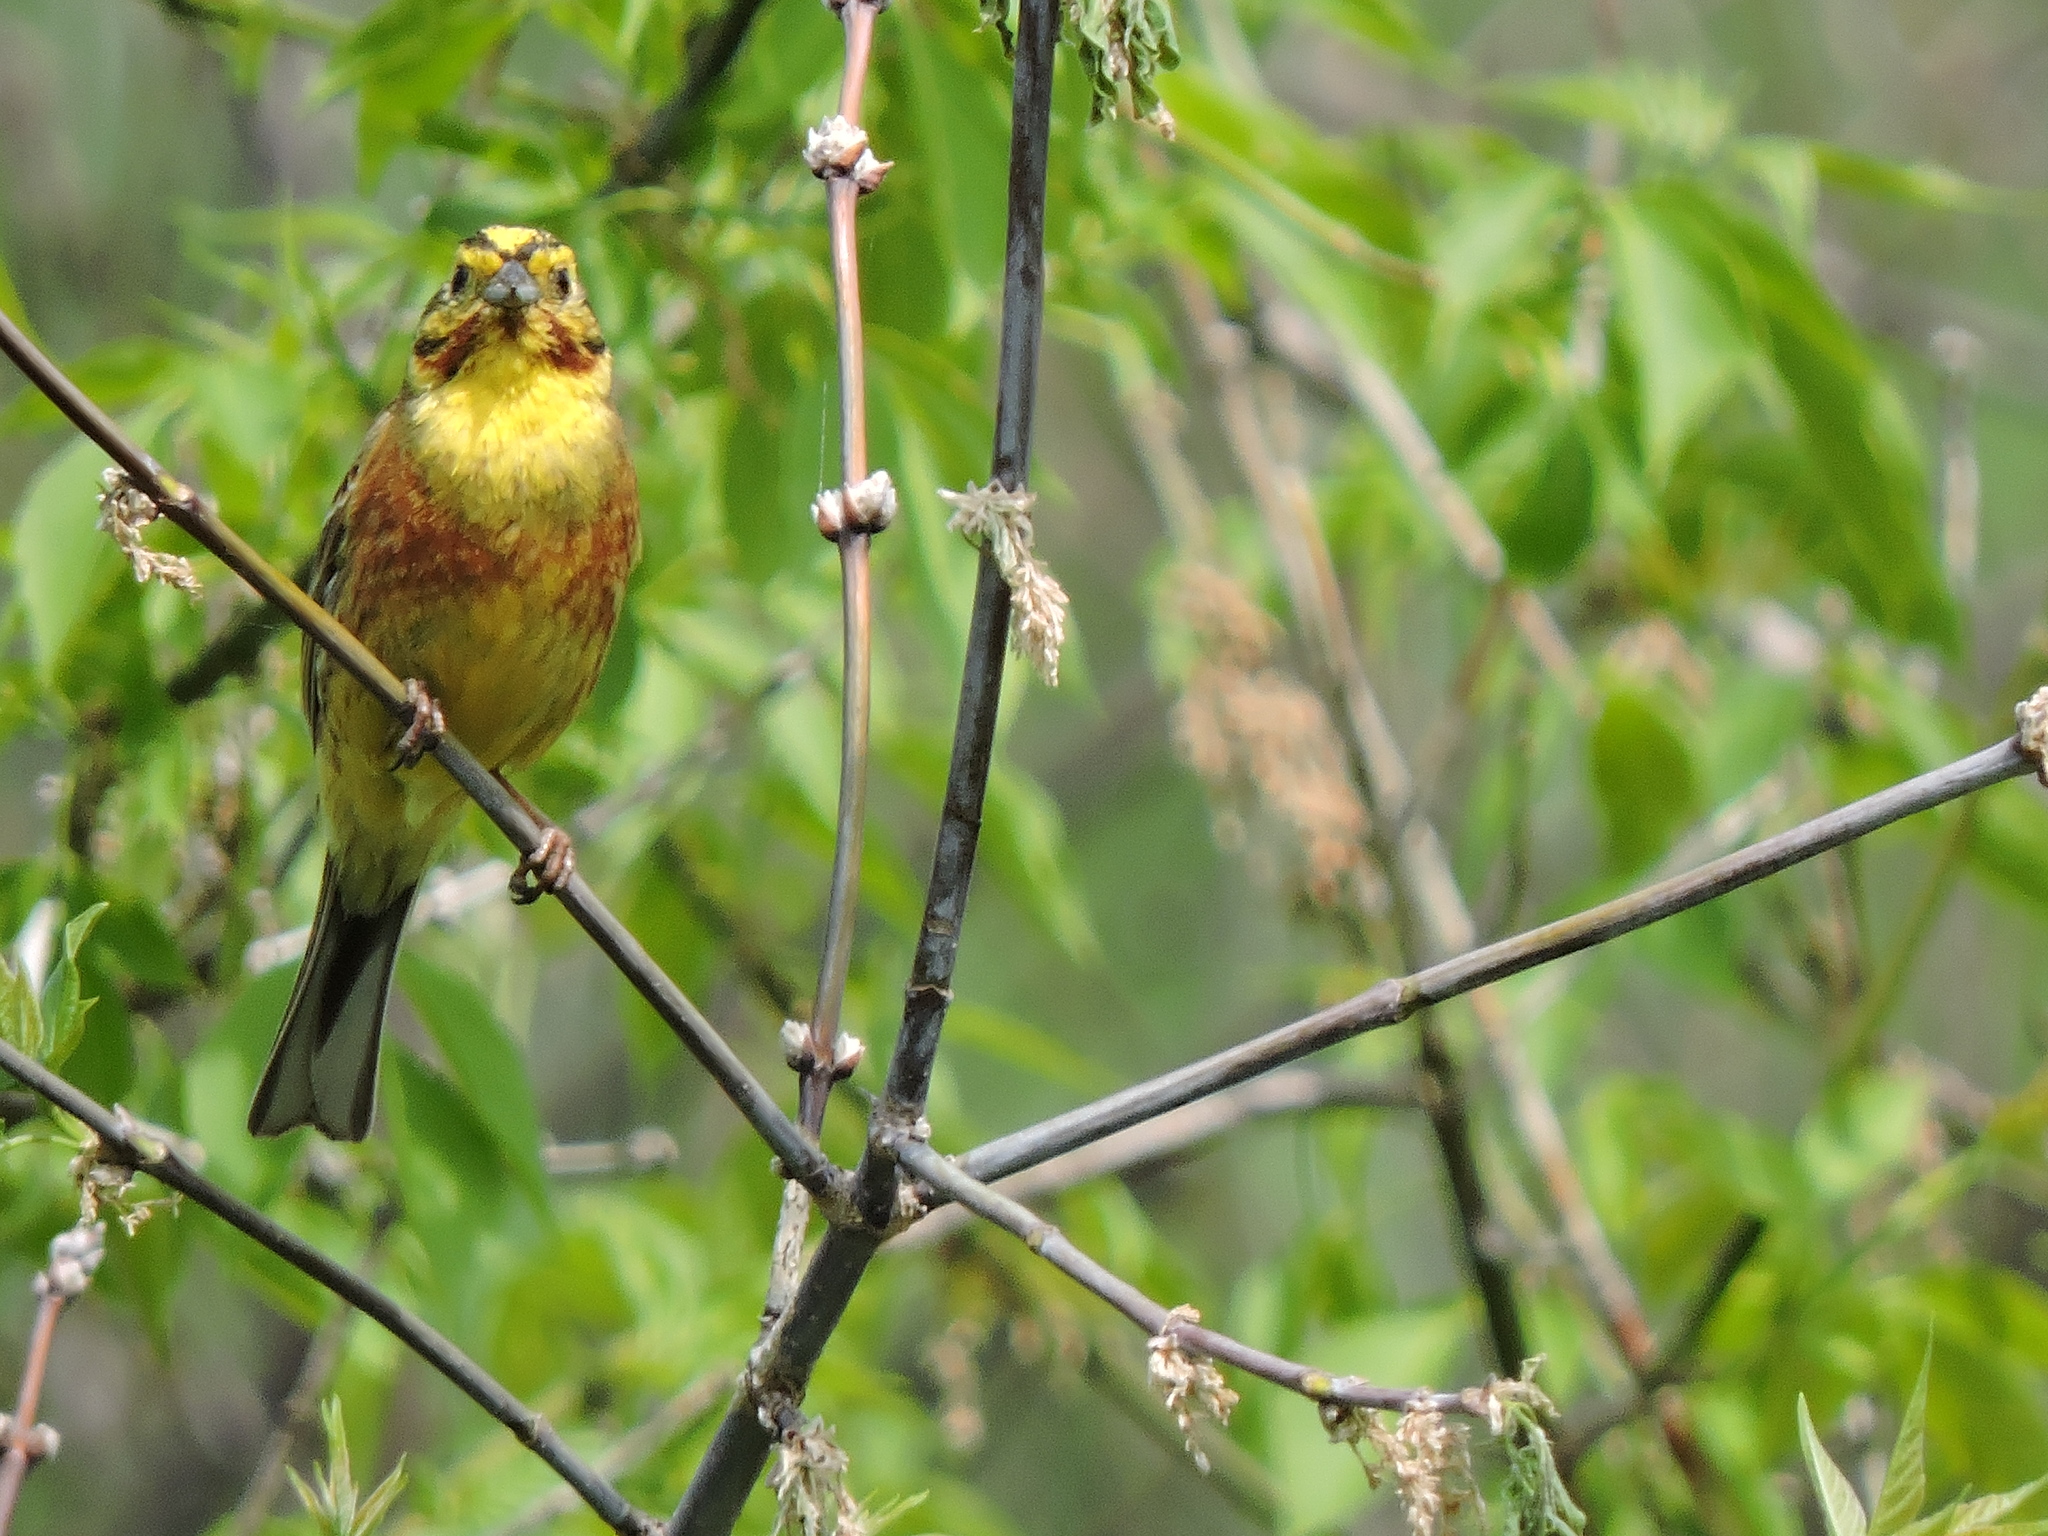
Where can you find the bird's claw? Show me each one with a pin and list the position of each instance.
(547, 870)
(427, 727)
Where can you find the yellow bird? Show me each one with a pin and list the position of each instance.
(479, 546)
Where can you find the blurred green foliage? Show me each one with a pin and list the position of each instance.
(1713, 476)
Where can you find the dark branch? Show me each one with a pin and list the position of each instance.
(1397, 999)
(672, 132)
(740, 1449)
(122, 1145)
(1441, 1086)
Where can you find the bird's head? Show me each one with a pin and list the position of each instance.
(513, 301)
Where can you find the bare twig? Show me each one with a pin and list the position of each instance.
(852, 522)
(1397, 999)
(124, 1145)
(943, 1175)
(190, 511)
(74, 1254)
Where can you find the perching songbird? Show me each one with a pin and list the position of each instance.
(479, 546)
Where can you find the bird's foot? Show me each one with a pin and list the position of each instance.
(427, 727)
(547, 870)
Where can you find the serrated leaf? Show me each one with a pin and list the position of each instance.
(1839, 1507)
(1905, 1475)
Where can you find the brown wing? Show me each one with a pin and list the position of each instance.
(328, 562)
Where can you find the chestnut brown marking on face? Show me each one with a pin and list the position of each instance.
(444, 356)
(570, 353)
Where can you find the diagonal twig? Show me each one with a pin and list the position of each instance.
(122, 1144)
(1396, 999)
(943, 1175)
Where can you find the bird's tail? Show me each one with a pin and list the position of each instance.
(323, 1069)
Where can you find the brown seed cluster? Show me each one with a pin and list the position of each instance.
(1262, 742)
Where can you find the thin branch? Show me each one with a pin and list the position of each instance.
(930, 990)
(74, 1254)
(671, 131)
(1392, 1001)
(944, 1176)
(844, 187)
(1487, 1249)
(196, 516)
(782, 1368)
(1295, 1091)
(122, 1144)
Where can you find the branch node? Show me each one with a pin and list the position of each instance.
(125, 510)
(2031, 714)
(800, 1051)
(868, 507)
(74, 1254)
(837, 148)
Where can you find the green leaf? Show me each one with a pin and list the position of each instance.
(1670, 113)
(1987, 1513)
(1388, 24)
(1494, 237)
(1861, 1129)
(1643, 774)
(1838, 1504)
(486, 1064)
(1905, 1475)
(21, 1017)
(63, 564)
(1690, 346)
(1918, 183)
(64, 1009)
(409, 59)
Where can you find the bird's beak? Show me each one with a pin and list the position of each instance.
(511, 287)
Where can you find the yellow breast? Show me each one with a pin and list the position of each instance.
(511, 438)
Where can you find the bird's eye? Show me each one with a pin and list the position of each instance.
(564, 283)
(458, 285)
